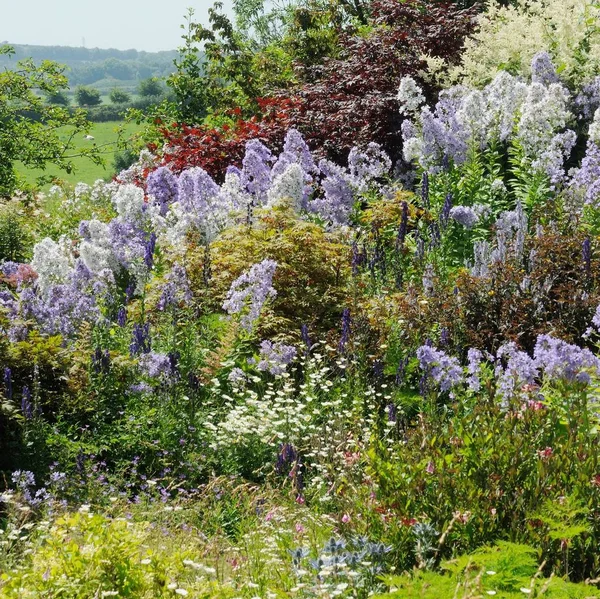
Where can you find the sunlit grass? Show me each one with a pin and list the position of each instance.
(105, 137)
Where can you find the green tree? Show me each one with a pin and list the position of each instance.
(32, 131)
(150, 87)
(187, 83)
(119, 96)
(87, 96)
(59, 97)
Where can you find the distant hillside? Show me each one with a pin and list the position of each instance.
(106, 67)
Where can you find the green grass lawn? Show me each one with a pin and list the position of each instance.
(105, 137)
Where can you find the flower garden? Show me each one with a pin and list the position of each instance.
(347, 346)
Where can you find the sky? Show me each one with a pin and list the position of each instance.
(150, 25)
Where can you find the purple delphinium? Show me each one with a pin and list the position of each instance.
(140, 339)
(465, 216)
(156, 366)
(122, 316)
(250, 291)
(275, 357)
(346, 328)
(586, 180)
(514, 369)
(446, 209)
(305, 338)
(542, 69)
(26, 404)
(177, 289)
(163, 185)
(474, 357)
(8, 386)
(286, 458)
(400, 371)
(256, 171)
(440, 367)
(338, 194)
(101, 361)
(563, 361)
(149, 251)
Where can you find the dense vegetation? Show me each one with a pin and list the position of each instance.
(334, 333)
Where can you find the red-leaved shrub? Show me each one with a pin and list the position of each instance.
(347, 101)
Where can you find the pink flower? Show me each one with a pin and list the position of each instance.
(345, 518)
(269, 517)
(545, 454)
(300, 499)
(430, 469)
(299, 528)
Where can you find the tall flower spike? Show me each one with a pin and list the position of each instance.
(249, 292)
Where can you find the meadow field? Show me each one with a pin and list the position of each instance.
(106, 136)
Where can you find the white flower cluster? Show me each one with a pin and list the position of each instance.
(543, 113)
(129, 202)
(289, 185)
(96, 251)
(594, 132)
(513, 35)
(52, 262)
(410, 96)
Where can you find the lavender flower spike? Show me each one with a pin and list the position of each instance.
(250, 291)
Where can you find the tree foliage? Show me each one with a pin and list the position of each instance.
(119, 96)
(34, 132)
(150, 87)
(87, 96)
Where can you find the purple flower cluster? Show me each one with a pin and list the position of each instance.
(140, 339)
(177, 289)
(256, 170)
(542, 69)
(559, 360)
(588, 100)
(275, 357)
(163, 186)
(465, 216)
(514, 369)
(368, 164)
(250, 291)
(25, 483)
(61, 309)
(443, 369)
(586, 179)
(474, 357)
(338, 194)
(156, 366)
